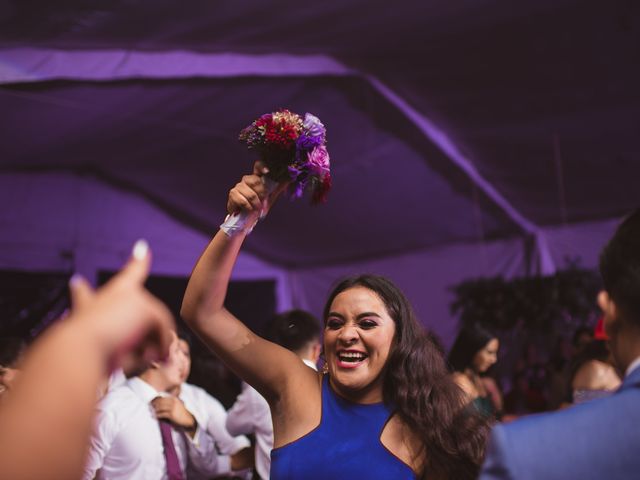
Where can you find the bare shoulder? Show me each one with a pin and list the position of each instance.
(594, 375)
(401, 441)
(465, 384)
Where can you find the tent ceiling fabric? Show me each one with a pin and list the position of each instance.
(537, 100)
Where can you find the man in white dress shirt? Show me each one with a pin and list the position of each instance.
(299, 332)
(236, 452)
(127, 441)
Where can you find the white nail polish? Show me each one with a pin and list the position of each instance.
(75, 278)
(140, 249)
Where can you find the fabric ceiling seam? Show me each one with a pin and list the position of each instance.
(31, 65)
(443, 142)
(28, 65)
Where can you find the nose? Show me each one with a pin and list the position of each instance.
(348, 334)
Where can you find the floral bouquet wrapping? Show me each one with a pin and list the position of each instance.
(293, 148)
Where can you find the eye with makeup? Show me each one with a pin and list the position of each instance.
(367, 324)
(334, 323)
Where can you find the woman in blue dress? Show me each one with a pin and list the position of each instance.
(384, 408)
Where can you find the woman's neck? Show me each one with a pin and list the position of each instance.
(365, 396)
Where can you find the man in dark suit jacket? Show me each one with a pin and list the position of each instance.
(598, 439)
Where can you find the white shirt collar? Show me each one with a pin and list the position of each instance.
(635, 364)
(309, 363)
(141, 388)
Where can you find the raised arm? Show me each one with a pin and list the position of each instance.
(265, 365)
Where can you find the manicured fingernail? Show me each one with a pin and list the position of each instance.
(75, 279)
(140, 249)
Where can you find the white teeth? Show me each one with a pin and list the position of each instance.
(352, 356)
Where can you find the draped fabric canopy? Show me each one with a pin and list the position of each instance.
(449, 123)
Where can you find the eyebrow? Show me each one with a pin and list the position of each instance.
(358, 317)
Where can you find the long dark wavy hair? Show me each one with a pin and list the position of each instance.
(418, 385)
(470, 340)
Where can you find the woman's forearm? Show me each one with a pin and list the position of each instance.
(209, 281)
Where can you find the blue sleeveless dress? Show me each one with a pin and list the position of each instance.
(346, 445)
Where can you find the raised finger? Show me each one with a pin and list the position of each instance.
(80, 291)
(137, 268)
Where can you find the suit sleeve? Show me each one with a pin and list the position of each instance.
(496, 464)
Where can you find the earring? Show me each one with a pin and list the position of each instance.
(325, 368)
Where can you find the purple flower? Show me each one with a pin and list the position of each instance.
(313, 127)
(294, 172)
(305, 142)
(297, 188)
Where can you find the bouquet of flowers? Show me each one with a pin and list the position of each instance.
(294, 150)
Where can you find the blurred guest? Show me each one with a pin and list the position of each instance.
(212, 416)
(143, 432)
(562, 366)
(299, 332)
(46, 420)
(581, 338)
(522, 399)
(474, 351)
(11, 352)
(598, 439)
(537, 375)
(593, 374)
(558, 372)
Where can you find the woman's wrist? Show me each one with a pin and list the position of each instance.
(239, 224)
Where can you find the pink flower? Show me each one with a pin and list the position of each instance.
(319, 161)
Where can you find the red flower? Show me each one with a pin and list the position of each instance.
(321, 191)
(280, 134)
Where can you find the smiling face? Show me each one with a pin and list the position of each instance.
(358, 337)
(486, 356)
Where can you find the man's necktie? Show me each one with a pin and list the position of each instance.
(173, 465)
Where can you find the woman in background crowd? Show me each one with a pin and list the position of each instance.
(474, 351)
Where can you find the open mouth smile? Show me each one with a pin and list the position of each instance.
(350, 358)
